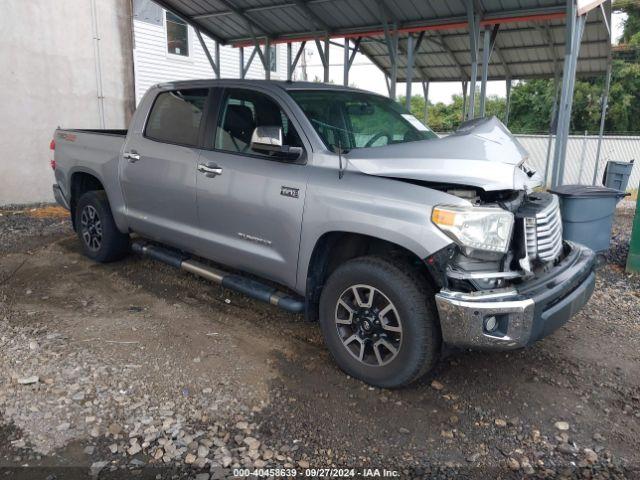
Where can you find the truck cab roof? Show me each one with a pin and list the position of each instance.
(249, 83)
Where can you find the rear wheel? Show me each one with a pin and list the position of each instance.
(379, 321)
(100, 238)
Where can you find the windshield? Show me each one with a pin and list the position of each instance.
(350, 120)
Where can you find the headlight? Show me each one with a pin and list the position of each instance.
(480, 228)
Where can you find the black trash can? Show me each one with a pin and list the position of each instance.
(587, 214)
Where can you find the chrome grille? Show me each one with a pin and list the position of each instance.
(544, 233)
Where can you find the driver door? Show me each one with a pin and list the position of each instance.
(250, 206)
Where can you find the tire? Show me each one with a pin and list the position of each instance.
(99, 236)
(417, 342)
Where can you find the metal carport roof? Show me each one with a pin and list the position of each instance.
(422, 40)
(530, 38)
(522, 50)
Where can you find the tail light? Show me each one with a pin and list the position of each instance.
(52, 147)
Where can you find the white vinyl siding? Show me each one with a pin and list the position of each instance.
(153, 64)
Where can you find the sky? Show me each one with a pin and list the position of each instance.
(365, 75)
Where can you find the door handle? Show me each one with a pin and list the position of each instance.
(132, 156)
(210, 170)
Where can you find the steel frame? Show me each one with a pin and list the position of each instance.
(475, 20)
(605, 97)
(215, 63)
(425, 93)
(292, 62)
(324, 56)
(575, 28)
(349, 56)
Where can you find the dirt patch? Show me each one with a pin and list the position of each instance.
(143, 369)
(48, 211)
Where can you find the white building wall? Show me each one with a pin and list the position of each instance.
(154, 65)
(48, 79)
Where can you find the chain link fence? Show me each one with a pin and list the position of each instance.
(581, 156)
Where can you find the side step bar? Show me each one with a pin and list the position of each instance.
(249, 287)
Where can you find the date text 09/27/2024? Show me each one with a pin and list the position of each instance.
(317, 472)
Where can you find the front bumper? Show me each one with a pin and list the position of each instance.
(523, 314)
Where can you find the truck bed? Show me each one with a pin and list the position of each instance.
(88, 151)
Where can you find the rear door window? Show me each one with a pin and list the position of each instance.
(176, 116)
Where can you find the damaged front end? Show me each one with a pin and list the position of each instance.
(510, 297)
(533, 244)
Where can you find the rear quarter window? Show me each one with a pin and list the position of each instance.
(176, 116)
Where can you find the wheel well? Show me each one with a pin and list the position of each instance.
(81, 183)
(335, 248)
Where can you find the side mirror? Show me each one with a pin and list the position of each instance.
(268, 140)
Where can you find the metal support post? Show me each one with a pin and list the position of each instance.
(245, 68)
(464, 99)
(391, 39)
(326, 57)
(216, 53)
(409, 74)
(266, 59)
(349, 56)
(553, 122)
(603, 115)
(345, 72)
(214, 65)
(425, 91)
(293, 61)
(486, 52)
(575, 27)
(394, 64)
(474, 37)
(582, 156)
(508, 102)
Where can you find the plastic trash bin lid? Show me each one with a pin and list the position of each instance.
(586, 191)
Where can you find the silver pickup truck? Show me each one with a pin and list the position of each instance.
(337, 203)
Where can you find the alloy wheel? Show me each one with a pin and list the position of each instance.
(91, 228)
(368, 325)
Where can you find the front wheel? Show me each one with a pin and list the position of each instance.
(101, 240)
(379, 321)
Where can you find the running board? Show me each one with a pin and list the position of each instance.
(249, 287)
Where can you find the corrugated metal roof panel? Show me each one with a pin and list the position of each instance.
(523, 45)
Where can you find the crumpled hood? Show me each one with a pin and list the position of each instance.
(482, 153)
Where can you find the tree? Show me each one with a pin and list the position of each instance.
(631, 25)
(532, 100)
(446, 117)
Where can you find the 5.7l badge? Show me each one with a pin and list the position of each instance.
(289, 192)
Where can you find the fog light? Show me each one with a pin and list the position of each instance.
(490, 323)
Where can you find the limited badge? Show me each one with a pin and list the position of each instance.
(289, 192)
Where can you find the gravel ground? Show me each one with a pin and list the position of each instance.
(136, 370)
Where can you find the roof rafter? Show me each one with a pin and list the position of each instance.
(443, 44)
(313, 16)
(251, 23)
(436, 24)
(529, 34)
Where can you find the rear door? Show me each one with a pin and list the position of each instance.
(158, 168)
(250, 209)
